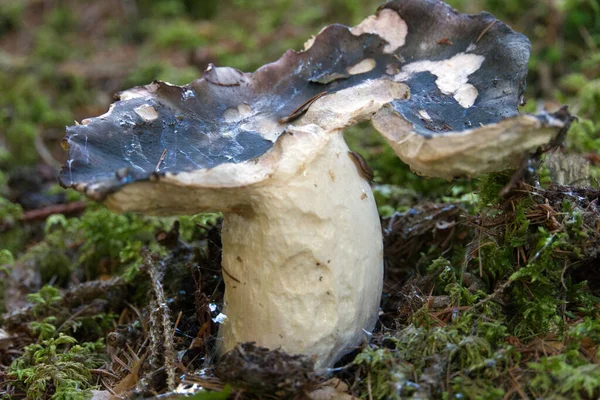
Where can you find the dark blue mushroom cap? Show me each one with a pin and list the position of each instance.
(463, 71)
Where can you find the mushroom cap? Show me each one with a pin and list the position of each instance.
(456, 73)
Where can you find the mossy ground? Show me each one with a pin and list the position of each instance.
(488, 297)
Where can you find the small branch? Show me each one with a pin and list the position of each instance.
(164, 322)
(492, 296)
(44, 212)
(487, 28)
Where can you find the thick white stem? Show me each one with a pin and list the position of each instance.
(303, 267)
(302, 246)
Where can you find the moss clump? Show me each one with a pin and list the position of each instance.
(464, 358)
(504, 315)
(99, 243)
(57, 368)
(6, 260)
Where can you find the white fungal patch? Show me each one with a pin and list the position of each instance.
(147, 112)
(244, 109)
(471, 47)
(391, 69)
(133, 93)
(425, 115)
(388, 25)
(238, 113)
(308, 44)
(231, 115)
(466, 95)
(365, 65)
(225, 76)
(452, 75)
(103, 116)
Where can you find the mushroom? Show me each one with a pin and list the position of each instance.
(302, 246)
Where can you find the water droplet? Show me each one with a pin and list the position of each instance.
(219, 319)
(188, 94)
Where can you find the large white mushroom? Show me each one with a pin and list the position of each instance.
(302, 246)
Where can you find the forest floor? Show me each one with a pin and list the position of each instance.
(489, 293)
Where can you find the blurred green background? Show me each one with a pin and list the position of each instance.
(62, 61)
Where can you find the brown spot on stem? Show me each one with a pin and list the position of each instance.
(332, 176)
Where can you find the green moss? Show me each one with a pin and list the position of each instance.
(45, 301)
(24, 108)
(387, 375)
(145, 73)
(60, 19)
(568, 374)
(6, 261)
(177, 33)
(12, 236)
(584, 136)
(11, 14)
(57, 368)
(194, 226)
(417, 361)
(50, 46)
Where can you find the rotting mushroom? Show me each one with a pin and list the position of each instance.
(302, 246)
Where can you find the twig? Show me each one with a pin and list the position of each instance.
(518, 386)
(164, 319)
(104, 372)
(487, 28)
(298, 112)
(160, 160)
(73, 316)
(231, 276)
(177, 322)
(491, 296)
(44, 212)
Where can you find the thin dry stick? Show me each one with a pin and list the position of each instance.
(177, 322)
(104, 372)
(108, 387)
(73, 316)
(518, 386)
(44, 212)
(229, 275)
(165, 320)
(491, 296)
(487, 28)
(160, 160)
(298, 112)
